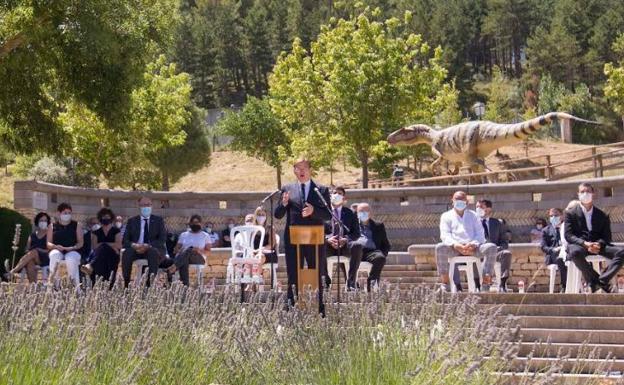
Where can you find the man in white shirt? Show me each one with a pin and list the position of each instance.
(462, 233)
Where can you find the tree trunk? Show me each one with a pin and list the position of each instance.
(165, 181)
(278, 171)
(364, 162)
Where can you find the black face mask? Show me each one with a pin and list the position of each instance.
(106, 221)
(195, 227)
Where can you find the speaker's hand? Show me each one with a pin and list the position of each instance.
(308, 210)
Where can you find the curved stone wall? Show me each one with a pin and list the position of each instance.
(411, 214)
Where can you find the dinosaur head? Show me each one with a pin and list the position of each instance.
(414, 134)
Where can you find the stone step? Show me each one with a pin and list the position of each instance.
(563, 310)
(573, 336)
(512, 378)
(573, 350)
(570, 365)
(549, 299)
(569, 322)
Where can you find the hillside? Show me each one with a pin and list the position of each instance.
(230, 171)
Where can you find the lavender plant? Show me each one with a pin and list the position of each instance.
(183, 336)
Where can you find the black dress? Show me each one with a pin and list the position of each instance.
(269, 257)
(105, 258)
(40, 243)
(65, 235)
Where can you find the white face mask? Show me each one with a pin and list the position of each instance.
(480, 212)
(118, 225)
(539, 227)
(363, 216)
(209, 229)
(586, 197)
(65, 217)
(336, 199)
(459, 204)
(43, 225)
(261, 219)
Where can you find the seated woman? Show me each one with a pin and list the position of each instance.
(106, 245)
(37, 254)
(269, 255)
(65, 238)
(192, 249)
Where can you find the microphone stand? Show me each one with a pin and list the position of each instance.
(271, 232)
(343, 228)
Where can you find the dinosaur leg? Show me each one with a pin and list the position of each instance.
(434, 165)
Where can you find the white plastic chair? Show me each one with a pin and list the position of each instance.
(333, 261)
(365, 267)
(267, 266)
(553, 276)
(469, 269)
(574, 284)
(244, 255)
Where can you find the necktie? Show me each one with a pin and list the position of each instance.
(303, 196)
(146, 231)
(336, 224)
(485, 228)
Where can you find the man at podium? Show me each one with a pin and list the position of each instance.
(303, 206)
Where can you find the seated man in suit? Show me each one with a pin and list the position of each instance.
(554, 253)
(375, 244)
(341, 241)
(462, 233)
(588, 231)
(144, 238)
(495, 233)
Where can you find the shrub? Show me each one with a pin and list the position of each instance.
(8, 219)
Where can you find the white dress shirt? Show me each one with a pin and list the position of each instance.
(588, 216)
(142, 234)
(455, 229)
(564, 244)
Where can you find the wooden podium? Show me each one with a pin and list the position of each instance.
(313, 236)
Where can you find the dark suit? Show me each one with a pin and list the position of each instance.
(156, 238)
(353, 248)
(374, 255)
(551, 245)
(495, 233)
(293, 213)
(577, 232)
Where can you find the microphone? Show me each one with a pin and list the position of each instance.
(316, 190)
(270, 195)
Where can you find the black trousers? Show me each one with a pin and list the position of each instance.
(307, 254)
(378, 260)
(104, 263)
(578, 255)
(155, 259)
(184, 259)
(352, 250)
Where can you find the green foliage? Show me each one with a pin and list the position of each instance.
(614, 89)
(503, 99)
(258, 132)
(383, 156)
(55, 52)
(361, 79)
(163, 138)
(8, 219)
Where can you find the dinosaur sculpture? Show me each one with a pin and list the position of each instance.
(469, 143)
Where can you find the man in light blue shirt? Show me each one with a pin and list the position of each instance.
(462, 233)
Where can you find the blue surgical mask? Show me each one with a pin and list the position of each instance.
(146, 211)
(362, 216)
(459, 204)
(555, 221)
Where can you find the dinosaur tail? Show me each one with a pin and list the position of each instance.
(523, 129)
